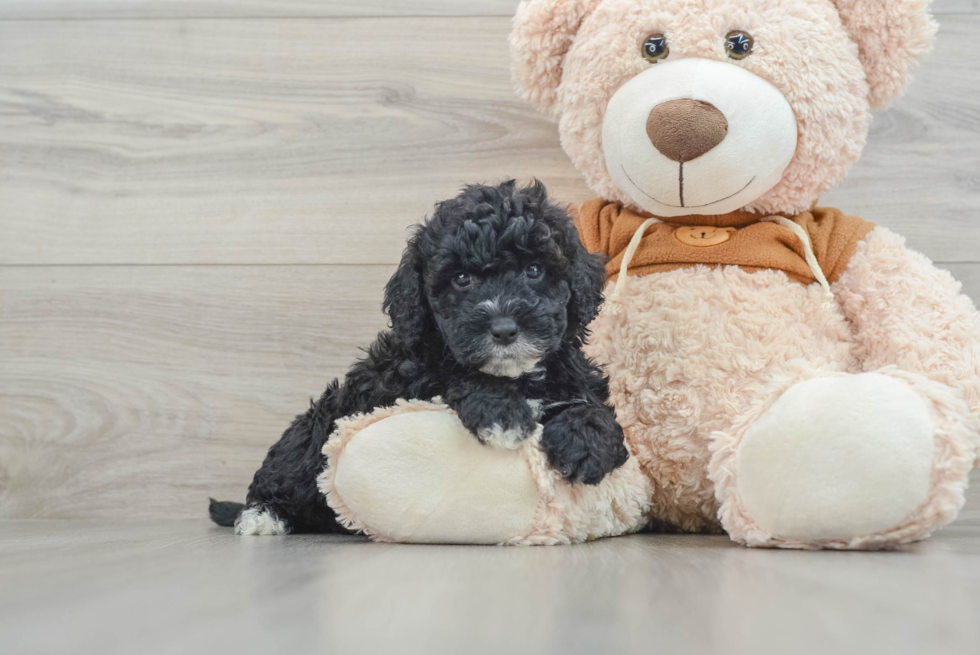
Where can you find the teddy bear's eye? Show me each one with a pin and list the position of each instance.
(738, 44)
(655, 48)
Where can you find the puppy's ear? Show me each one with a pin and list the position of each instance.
(404, 300)
(588, 277)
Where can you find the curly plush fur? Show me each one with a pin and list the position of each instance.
(492, 254)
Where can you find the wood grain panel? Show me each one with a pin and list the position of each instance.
(139, 391)
(94, 9)
(143, 9)
(920, 173)
(251, 141)
(943, 7)
(969, 275)
(316, 142)
(263, 145)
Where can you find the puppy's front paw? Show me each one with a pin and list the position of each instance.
(584, 443)
(496, 422)
(501, 437)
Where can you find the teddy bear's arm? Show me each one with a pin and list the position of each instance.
(910, 314)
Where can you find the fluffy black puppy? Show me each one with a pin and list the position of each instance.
(488, 308)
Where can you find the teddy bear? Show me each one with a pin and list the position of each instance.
(784, 373)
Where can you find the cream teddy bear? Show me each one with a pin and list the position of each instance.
(783, 372)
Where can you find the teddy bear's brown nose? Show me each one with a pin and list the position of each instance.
(685, 129)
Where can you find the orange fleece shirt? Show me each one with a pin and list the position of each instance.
(736, 239)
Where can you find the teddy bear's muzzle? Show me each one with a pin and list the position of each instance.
(697, 136)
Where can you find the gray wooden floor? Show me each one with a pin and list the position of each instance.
(183, 587)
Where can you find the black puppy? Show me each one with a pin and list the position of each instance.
(488, 308)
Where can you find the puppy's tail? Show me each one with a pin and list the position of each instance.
(223, 512)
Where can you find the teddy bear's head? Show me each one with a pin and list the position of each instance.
(683, 107)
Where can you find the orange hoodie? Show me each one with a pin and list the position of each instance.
(737, 239)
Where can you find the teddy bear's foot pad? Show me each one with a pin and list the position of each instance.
(422, 477)
(820, 464)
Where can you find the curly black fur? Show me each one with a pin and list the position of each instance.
(492, 254)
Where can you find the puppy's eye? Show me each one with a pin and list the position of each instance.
(655, 48)
(738, 44)
(533, 271)
(463, 281)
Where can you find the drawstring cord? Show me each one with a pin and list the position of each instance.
(827, 301)
(811, 259)
(613, 301)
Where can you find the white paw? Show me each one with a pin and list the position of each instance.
(498, 437)
(537, 408)
(255, 521)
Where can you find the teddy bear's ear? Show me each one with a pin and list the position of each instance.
(891, 36)
(542, 33)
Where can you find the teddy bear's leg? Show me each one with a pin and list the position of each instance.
(413, 473)
(845, 461)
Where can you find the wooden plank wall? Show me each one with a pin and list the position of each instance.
(200, 203)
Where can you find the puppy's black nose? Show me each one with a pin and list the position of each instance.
(504, 330)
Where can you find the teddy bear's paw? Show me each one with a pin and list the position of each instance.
(838, 459)
(422, 477)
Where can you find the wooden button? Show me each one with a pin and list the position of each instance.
(701, 236)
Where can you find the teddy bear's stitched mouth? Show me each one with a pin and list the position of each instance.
(680, 180)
